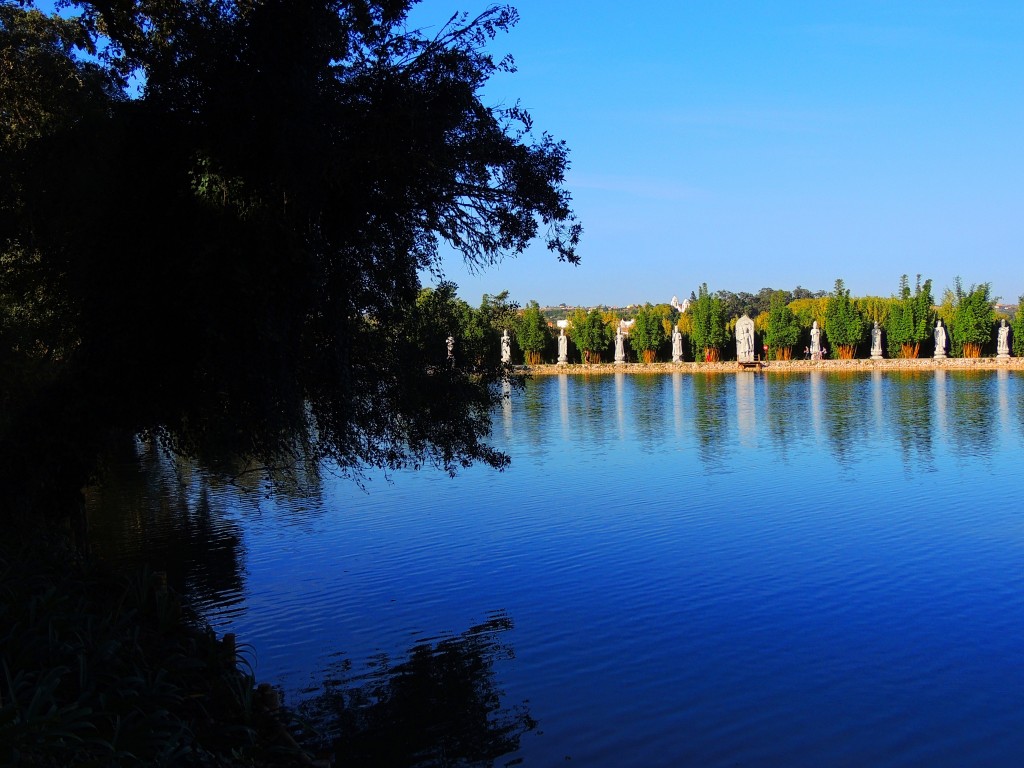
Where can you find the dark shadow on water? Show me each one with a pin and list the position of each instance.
(151, 511)
(441, 706)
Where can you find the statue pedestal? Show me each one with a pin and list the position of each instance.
(877, 356)
(940, 356)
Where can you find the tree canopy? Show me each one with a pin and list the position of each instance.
(844, 325)
(910, 319)
(590, 333)
(707, 325)
(532, 332)
(783, 327)
(973, 318)
(228, 260)
(647, 333)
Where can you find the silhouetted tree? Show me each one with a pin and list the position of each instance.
(229, 261)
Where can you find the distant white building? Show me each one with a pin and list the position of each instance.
(680, 307)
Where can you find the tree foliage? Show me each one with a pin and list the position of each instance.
(783, 331)
(229, 262)
(590, 334)
(1017, 329)
(647, 333)
(910, 319)
(844, 325)
(972, 319)
(707, 325)
(532, 332)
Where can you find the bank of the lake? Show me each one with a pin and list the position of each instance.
(788, 366)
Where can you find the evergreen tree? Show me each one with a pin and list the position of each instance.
(1017, 329)
(783, 331)
(972, 320)
(707, 325)
(532, 333)
(844, 325)
(910, 319)
(647, 333)
(590, 334)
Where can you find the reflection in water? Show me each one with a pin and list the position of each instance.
(620, 404)
(786, 412)
(677, 404)
(563, 404)
(648, 409)
(1003, 386)
(909, 406)
(971, 410)
(746, 409)
(844, 415)
(940, 397)
(816, 385)
(506, 406)
(534, 417)
(878, 399)
(439, 707)
(153, 510)
(710, 410)
(587, 408)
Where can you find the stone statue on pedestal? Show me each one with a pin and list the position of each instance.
(745, 340)
(450, 343)
(815, 341)
(1003, 347)
(940, 341)
(677, 345)
(563, 348)
(506, 347)
(876, 342)
(620, 350)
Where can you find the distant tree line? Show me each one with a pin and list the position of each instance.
(782, 322)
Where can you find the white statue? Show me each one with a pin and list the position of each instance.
(940, 340)
(677, 345)
(815, 341)
(745, 340)
(1003, 348)
(620, 351)
(506, 347)
(450, 342)
(563, 348)
(876, 342)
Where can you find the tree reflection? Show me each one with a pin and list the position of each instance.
(909, 409)
(784, 404)
(439, 707)
(710, 407)
(971, 406)
(155, 511)
(649, 412)
(845, 413)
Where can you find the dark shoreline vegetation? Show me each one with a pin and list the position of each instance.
(103, 668)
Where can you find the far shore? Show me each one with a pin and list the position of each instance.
(786, 366)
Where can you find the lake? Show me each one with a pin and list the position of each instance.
(818, 569)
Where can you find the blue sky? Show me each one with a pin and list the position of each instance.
(752, 144)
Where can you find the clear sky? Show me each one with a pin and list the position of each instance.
(752, 144)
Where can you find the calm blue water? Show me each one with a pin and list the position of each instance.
(805, 570)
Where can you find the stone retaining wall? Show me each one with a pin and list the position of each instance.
(789, 366)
